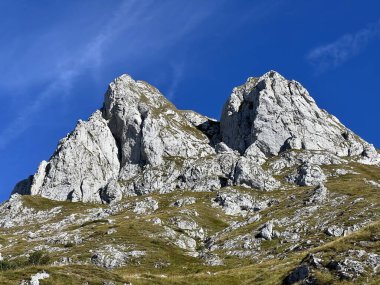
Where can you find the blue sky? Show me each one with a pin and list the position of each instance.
(57, 57)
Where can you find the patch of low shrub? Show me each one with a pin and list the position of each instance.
(38, 258)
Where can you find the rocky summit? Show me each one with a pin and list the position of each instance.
(278, 191)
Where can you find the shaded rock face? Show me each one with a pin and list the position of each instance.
(297, 275)
(139, 143)
(277, 114)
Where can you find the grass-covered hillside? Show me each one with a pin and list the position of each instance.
(231, 236)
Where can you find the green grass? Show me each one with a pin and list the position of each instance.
(138, 233)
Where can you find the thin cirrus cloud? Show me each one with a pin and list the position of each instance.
(62, 73)
(177, 70)
(334, 54)
(131, 34)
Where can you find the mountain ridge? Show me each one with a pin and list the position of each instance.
(263, 117)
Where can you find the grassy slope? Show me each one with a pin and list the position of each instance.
(139, 233)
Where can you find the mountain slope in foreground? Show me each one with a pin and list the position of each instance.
(276, 192)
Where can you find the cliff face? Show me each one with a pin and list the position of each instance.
(140, 143)
(275, 114)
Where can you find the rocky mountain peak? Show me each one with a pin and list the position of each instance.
(147, 127)
(139, 143)
(275, 114)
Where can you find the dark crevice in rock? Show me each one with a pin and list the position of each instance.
(211, 129)
(140, 139)
(119, 150)
(70, 195)
(223, 182)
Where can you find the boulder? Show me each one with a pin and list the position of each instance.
(307, 175)
(334, 231)
(35, 278)
(298, 274)
(185, 242)
(318, 195)
(184, 202)
(111, 257)
(146, 206)
(250, 174)
(266, 231)
(235, 203)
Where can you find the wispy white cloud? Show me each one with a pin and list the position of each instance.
(334, 54)
(130, 33)
(178, 69)
(62, 75)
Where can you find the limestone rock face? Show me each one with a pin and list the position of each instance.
(111, 257)
(319, 195)
(81, 166)
(307, 175)
(266, 231)
(277, 114)
(139, 143)
(147, 127)
(250, 174)
(235, 203)
(148, 205)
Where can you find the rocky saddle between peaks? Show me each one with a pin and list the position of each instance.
(139, 143)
